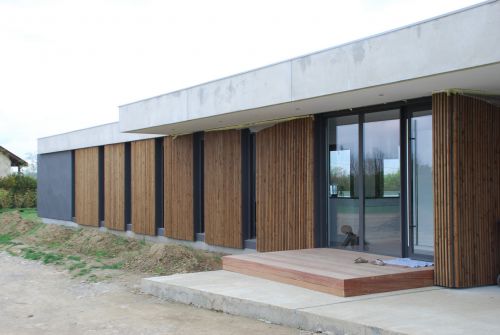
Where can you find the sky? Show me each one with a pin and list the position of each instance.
(67, 65)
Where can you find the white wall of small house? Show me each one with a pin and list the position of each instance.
(5, 169)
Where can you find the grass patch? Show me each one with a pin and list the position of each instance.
(83, 272)
(85, 251)
(29, 214)
(6, 239)
(114, 266)
(31, 254)
(102, 254)
(78, 265)
(45, 257)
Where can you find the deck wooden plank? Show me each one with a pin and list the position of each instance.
(329, 270)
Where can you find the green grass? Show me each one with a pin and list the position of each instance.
(102, 254)
(29, 214)
(83, 272)
(78, 265)
(74, 258)
(6, 239)
(45, 257)
(114, 266)
(32, 254)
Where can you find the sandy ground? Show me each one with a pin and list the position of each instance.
(41, 299)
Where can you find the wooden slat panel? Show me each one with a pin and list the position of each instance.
(114, 186)
(467, 190)
(142, 159)
(284, 186)
(87, 186)
(222, 176)
(178, 187)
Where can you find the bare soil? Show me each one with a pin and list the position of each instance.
(42, 299)
(56, 280)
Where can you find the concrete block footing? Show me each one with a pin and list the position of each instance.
(290, 317)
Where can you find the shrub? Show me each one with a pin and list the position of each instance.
(16, 183)
(18, 200)
(5, 199)
(30, 199)
(17, 191)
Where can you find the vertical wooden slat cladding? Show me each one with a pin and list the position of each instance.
(142, 157)
(87, 186)
(114, 186)
(467, 190)
(178, 187)
(222, 176)
(284, 186)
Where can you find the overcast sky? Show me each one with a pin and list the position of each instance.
(66, 65)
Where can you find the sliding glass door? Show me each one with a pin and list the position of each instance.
(421, 213)
(343, 193)
(380, 196)
(382, 180)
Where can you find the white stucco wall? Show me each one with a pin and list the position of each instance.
(4, 165)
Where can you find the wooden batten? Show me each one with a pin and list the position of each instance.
(143, 212)
(284, 186)
(466, 146)
(222, 197)
(178, 187)
(87, 186)
(114, 186)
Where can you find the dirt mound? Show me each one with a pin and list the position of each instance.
(50, 234)
(12, 223)
(169, 259)
(94, 254)
(89, 241)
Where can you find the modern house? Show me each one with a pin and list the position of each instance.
(8, 160)
(388, 144)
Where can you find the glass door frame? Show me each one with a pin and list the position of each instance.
(406, 109)
(409, 183)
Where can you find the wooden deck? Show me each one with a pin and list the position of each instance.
(329, 270)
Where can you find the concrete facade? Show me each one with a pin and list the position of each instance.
(55, 185)
(423, 52)
(406, 63)
(89, 137)
(5, 165)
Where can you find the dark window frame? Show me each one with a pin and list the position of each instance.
(406, 107)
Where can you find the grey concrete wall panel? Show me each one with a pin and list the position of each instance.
(445, 44)
(262, 87)
(55, 185)
(89, 137)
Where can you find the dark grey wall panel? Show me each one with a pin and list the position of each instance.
(55, 185)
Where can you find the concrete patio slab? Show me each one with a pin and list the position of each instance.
(431, 310)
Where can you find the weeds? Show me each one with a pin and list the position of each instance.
(114, 266)
(94, 255)
(6, 239)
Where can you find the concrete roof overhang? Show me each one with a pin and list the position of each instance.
(456, 50)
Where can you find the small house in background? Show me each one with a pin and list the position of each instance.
(9, 160)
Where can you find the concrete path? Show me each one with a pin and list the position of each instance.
(430, 310)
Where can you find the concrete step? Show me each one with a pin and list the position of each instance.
(288, 305)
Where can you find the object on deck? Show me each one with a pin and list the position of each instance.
(408, 262)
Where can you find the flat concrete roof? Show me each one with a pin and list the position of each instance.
(423, 57)
(455, 50)
(99, 135)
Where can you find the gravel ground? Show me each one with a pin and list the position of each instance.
(43, 299)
